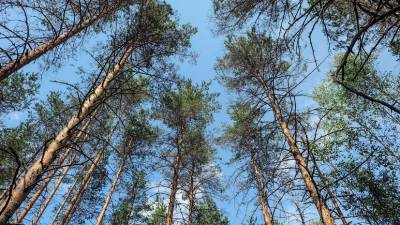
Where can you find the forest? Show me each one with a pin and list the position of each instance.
(200, 112)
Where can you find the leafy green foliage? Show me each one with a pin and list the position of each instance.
(17, 91)
(360, 141)
(132, 208)
(158, 215)
(207, 213)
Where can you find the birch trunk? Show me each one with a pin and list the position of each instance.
(32, 176)
(12, 66)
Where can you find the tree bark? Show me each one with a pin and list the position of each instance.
(85, 182)
(108, 199)
(32, 176)
(52, 193)
(262, 193)
(175, 180)
(191, 195)
(66, 196)
(39, 192)
(331, 195)
(12, 66)
(318, 199)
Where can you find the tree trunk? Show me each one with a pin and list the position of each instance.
(191, 195)
(175, 179)
(39, 192)
(63, 174)
(32, 176)
(85, 182)
(66, 196)
(262, 193)
(52, 193)
(108, 199)
(331, 195)
(27, 57)
(319, 200)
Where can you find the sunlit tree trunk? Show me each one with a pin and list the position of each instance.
(318, 199)
(12, 66)
(262, 193)
(52, 193)
(9, 205)
(331, 195)
(66, 196)
(39, 192)
(175, 180)
(85, 181)
(110, 193)
(191, 195)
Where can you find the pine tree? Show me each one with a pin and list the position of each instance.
(158, 216)
(207, 213)
(185, 111)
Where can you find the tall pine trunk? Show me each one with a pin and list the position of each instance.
(52, 193)
(175, 180)
(111, 192)
(66, 196)
(191, 195)
(12, 66)
(9, 205)
(331, 195)
(318, 199)
(85, 181)
(39, 192)
(262, 193)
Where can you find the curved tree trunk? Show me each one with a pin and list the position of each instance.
(32, 176)
(12, 66)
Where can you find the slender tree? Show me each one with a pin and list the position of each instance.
(185, 110)
(257, 67)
